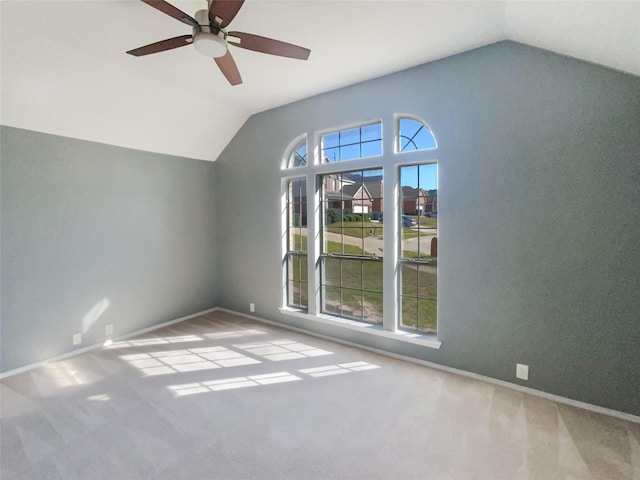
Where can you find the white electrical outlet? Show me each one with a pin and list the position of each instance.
(77, 338)
(252, 307)
(522, 371)
(108, 330)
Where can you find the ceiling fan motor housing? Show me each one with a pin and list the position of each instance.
(208, 41)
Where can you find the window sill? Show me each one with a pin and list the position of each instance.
(423, 339)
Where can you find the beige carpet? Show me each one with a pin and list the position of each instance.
(221, 397)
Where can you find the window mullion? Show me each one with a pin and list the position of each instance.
(313, 244)
(390, 247)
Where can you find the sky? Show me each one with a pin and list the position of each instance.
(423, 176)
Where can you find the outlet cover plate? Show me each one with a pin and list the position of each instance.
(77, 338)
(252, 307)
(522, 371)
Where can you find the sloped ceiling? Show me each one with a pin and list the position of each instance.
(65, 71)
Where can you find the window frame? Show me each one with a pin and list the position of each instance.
(389, 162)
(292, 253)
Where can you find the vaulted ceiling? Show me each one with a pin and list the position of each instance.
(65, 71)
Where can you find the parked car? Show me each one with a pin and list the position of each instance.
(407, 221)
(376, 217)
(431, 214)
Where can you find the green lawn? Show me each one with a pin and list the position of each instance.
(365, 229)
(356, 229)
(427, 222)
(414, 232)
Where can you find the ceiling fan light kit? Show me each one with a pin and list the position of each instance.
(210, 38)
(207, 42)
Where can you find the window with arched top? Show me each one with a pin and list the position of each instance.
(414, 135)
(362, 245)
(298, 157)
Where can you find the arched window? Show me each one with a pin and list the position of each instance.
(414, 135)
(298, 157)
(346, 242)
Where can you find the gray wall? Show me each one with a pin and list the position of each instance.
(83, 222)
(539, 185)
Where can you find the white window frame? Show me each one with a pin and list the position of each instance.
(390, 162)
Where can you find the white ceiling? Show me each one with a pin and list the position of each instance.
(65, 71)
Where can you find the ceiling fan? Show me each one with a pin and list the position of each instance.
(211, 38)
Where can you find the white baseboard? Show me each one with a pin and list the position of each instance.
(88, 348)
(531, 391)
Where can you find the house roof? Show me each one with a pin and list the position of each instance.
(65, 71)
(410, 193)
(351, 190)
(375, 188)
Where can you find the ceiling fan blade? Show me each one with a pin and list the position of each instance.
(225, 10)
(267, 45)
(229, 68)
(162, 45)
(172, 11)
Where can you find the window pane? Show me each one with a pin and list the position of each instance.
(372, 303)
(304, 294)
(331, 300)
(410, 239)
(298, 296)
(371, 149)
(414, 135)
(296, 263)
(331, 271)
(427, 315)
(350, 136)
(298, 268)
(406, 144)
(292, 271)
(300, 156)
(293, 297)
(297, 280)
(372, 276)
(428, 281)
(409, 312)
(331, 140)
(352, 274)
(353, 234)
(428, 177)
(350, 151)
(331, 154)
(424, 139)
(373, 241)
(352, 143)
(409, 279)
(372, 132)
(351, 303)
(297, 242)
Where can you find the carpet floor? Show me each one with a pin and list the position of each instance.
(223, 397)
